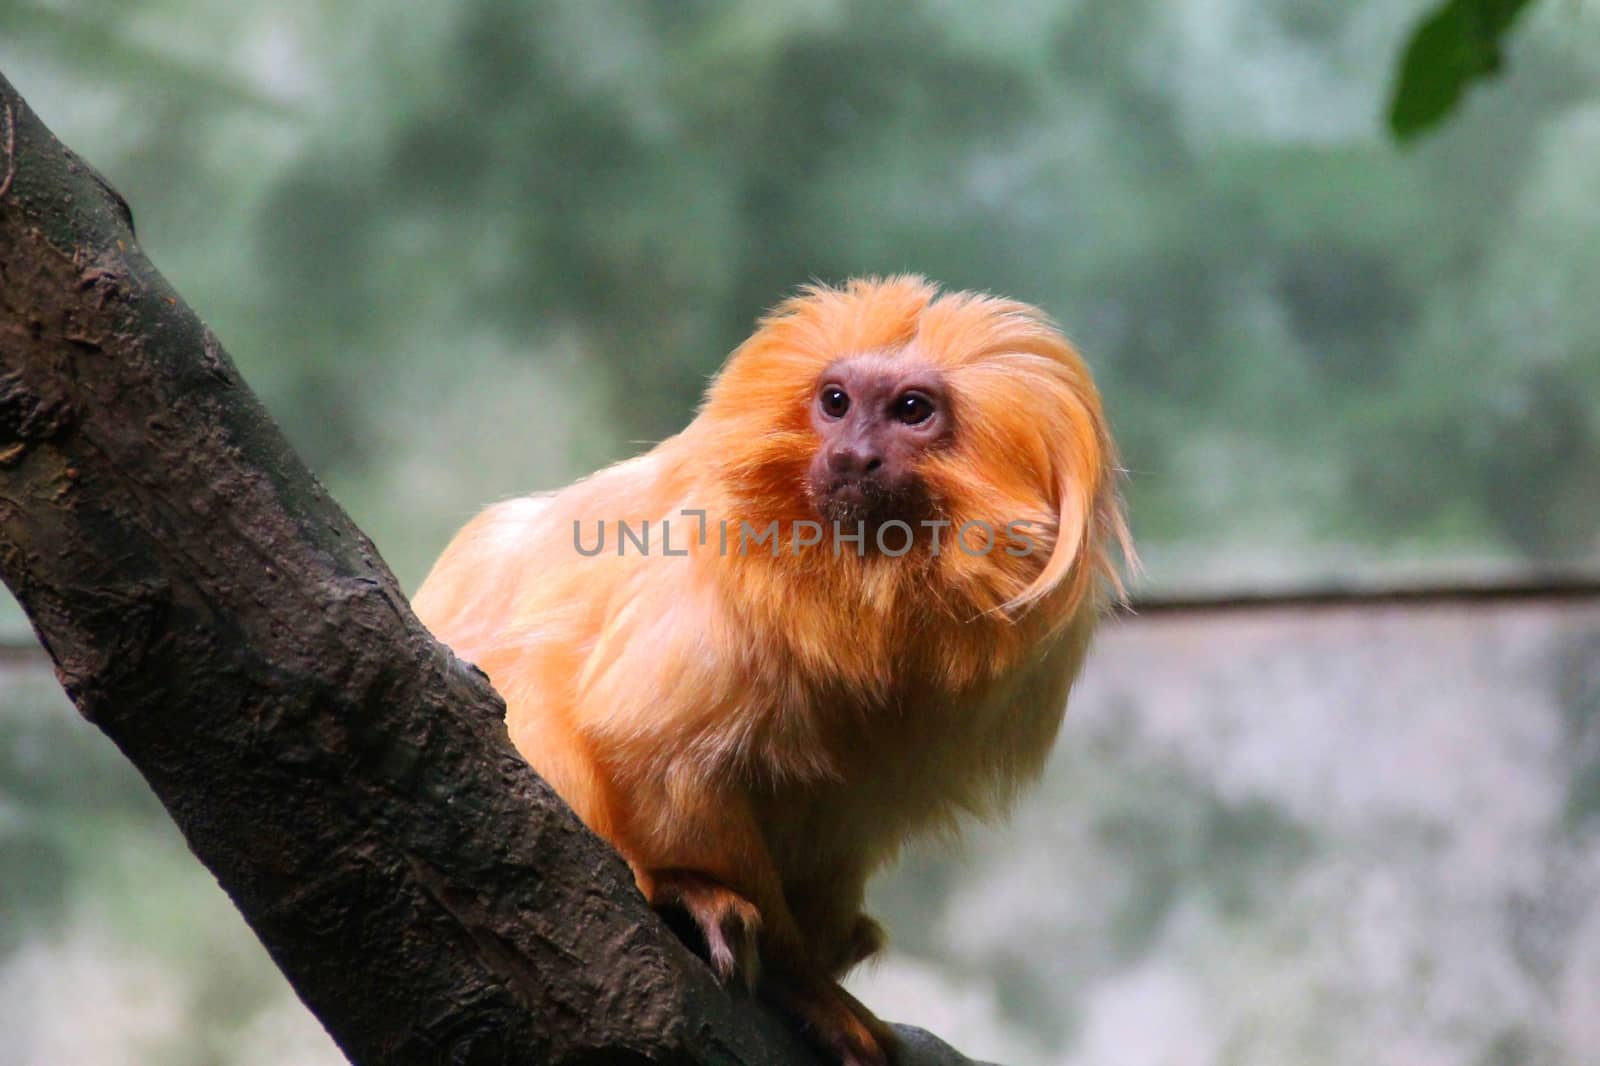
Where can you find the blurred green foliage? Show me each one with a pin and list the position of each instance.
(485, 247)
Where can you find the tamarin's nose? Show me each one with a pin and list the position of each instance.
(854, 459)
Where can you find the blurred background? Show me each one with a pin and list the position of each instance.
(468, 250)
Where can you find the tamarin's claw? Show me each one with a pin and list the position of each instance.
(834, 1020)
(729, 923)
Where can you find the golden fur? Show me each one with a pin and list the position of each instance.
(777, 725)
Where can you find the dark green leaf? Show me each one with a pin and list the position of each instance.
(1460, 42)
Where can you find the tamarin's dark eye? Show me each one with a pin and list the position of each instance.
(912, 408)
(835, 401)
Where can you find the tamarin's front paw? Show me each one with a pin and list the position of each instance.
(728, 922)
(834, 1020)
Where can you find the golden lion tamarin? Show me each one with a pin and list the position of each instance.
(841, 608)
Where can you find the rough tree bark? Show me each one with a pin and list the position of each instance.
(347, 780)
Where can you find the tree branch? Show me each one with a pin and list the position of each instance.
(347, 780)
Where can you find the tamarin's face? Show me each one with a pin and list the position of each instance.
(876, 416)
(885, 400)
